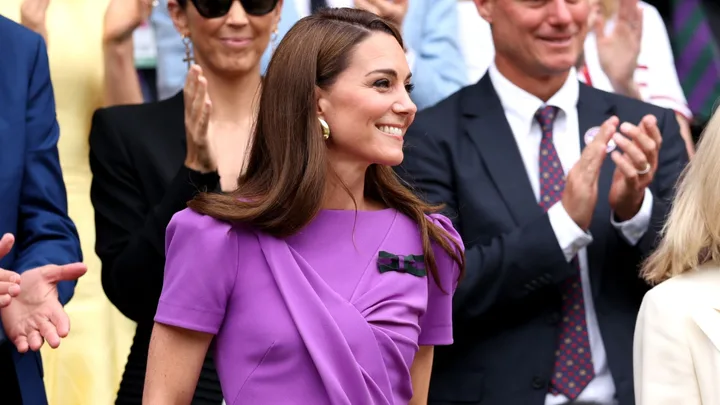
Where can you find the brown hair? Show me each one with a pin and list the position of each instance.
(283, 186)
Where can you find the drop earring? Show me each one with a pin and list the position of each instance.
(274, 40)
(189, 59)
(325, 128)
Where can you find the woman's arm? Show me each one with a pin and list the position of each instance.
(420, 375)
(121, 83)
(122, 18)
(174, 362)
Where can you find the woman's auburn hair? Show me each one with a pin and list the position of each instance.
(283, 186)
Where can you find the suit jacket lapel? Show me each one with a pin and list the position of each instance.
(485, 122)
(593, 110)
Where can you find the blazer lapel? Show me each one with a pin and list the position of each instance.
(593, 110)
(485, 122)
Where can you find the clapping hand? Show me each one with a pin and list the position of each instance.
(200, 153)
(618, 50)
(581, 184)
(635, 166)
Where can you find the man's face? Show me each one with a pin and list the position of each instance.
(538, 37)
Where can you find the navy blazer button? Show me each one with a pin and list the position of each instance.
(539, 383)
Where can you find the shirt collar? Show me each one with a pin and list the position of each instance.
(523, 105)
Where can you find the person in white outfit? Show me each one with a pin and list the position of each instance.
(677, 336)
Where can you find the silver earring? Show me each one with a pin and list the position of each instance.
(325, 128)
(189, 59)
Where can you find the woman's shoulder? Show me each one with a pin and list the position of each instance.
(134, 122)
(687, 291)
(205, 227)
(446, 224)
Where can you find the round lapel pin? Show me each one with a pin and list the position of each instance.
(592, 133)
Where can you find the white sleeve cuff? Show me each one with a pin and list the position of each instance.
(568, 234)
(634, 228)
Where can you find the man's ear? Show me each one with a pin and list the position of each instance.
(485, 9)
(179, 17)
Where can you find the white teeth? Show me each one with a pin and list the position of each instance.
(390, 130)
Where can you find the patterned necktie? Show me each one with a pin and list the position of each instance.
(315, 5)
(573, 360)
(696, 56)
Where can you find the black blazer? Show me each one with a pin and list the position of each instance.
(137, 156)
(506, 312)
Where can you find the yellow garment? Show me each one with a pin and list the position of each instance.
(86, 368)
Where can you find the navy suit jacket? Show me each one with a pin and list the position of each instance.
(33, 202)
(506, 311)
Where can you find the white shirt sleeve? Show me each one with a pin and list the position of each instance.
(634, 228)
(570, 237)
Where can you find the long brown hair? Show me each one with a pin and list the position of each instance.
(283, 186)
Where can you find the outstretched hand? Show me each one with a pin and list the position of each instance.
(36, 315)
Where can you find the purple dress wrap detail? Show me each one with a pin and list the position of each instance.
(313, 318)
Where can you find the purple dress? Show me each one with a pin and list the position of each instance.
(332, 315)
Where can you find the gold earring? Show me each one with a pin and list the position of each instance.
(189, 59)
(325, 128)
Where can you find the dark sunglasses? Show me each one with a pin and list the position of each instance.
(218, 8)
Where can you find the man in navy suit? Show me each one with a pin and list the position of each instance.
(39, 242)
(559, 191)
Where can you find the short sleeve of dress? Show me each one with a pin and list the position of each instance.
(436, 323)
(200, 271)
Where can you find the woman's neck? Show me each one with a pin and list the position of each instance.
(234, 99)
(344, 178)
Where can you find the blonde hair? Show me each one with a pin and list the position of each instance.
(691, 235)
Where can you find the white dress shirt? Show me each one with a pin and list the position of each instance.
(303, 9)
(520, 108)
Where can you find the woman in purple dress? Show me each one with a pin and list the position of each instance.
(321, 279)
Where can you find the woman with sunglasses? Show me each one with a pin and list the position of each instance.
(322, 280)
(148, 160)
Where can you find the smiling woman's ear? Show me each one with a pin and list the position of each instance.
(179, 17)
(321, 101)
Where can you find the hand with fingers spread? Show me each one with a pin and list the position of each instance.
(618, 50)
(393, 10)
(581, 184)
(36, 315)
(636, 165)
(9, 280)
(200, 154)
